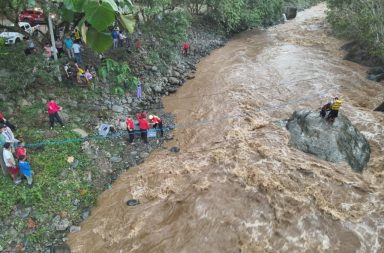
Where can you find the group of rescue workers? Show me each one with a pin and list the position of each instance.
(144, 126)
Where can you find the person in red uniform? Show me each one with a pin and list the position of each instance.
(6, 122)
(141, 115)
(185, 48)
(53, 114)
(130, 129)
(156, 122)
(144, 126)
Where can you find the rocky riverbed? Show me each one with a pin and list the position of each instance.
(84, 111)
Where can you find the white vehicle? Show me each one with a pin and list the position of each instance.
(15, 37)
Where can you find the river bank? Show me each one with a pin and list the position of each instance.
(33, 220)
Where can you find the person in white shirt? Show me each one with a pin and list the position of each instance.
(10, 162)
(9, 137)
(77, 52)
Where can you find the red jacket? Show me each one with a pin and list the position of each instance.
(155, 120)
(130, 124)
(53, 107)
(141, 115)
(21, 151)
(186, 45)
(143, 124)
(1, 116)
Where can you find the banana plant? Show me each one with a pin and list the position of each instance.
(96, 17)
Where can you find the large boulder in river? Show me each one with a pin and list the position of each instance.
(335, 143)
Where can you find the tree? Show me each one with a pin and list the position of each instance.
(96, 16)
(360, 20)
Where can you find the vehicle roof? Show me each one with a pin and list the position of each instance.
(38, 10)
(23, 23)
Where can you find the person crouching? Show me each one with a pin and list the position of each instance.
(156, 122)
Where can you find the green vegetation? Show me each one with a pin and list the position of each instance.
(360, 20)
(119, 75)
(56, 185)
(166, 34)
(23, 74)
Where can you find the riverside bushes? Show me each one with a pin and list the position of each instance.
(360, 20)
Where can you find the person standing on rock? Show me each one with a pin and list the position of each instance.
(156, 122)
(144, 126)
(334, 110)
(53, 113)
(324, 109)
(130, 129)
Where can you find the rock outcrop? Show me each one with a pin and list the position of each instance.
(335, 143)
(291, 12)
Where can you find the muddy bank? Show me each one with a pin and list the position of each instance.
(84, 110)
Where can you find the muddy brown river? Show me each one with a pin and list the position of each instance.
(236, 185)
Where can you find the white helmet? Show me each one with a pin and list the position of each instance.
(150, 117)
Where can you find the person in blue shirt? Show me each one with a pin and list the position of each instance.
(68, 43)
(25, 169)
(115, 37)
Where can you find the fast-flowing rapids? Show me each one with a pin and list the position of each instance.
(236, 185)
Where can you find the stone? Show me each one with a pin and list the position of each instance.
(335, 143)
(117, 108)
(24, 103)
(88, 176)
(116, 159)
(62, 248)
(133, 153)
(23, 213)
(154, 69)
(172, 89)
(143, 155)
(86, 213)
(74, 229)
(290, 12)
(60, 224)
(81, 132)
(64, 116)
(380, 108)
(74, 164)
(173, 80)
(157, 88)
(174, 149)
(190, 76)
(76, 202)
(376, 74)
(175, 73)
